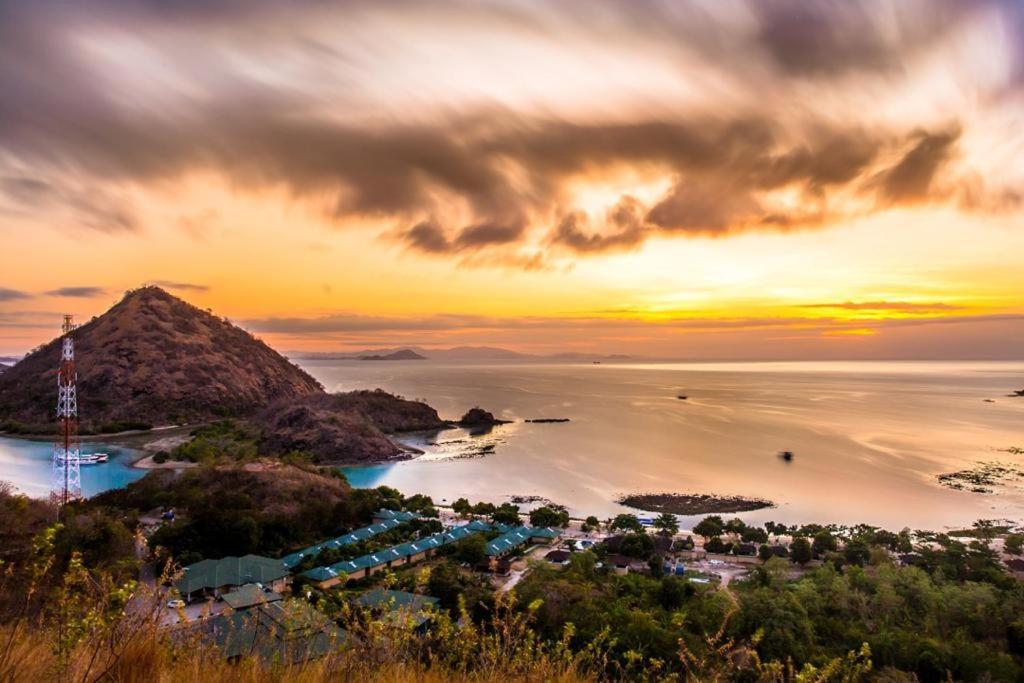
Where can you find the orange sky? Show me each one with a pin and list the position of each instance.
(736, 180)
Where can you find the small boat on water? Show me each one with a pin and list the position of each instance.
(90, 458)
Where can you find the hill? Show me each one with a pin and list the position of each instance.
(154, 359)
(344, 428)
(402, 354)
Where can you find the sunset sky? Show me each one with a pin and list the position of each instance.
(727, 179)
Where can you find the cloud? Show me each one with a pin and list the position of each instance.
(79, 292)
(910, 180)
(324, 107)
(12, 294)
(887, 306)
(183, 286)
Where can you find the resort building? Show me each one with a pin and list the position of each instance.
(520, 536)
(250, 595)
(384, 520)
(287, 631)
(385, 515)
(400, 606)
(218, 577)
(403, 553)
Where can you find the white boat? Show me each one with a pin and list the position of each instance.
(89, 458)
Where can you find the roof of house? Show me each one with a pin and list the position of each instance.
(230, 571)
(558, 556)
(517, 536)
(362, 534)
(395, 600)
(382, 557)
(249, 595)
(286, 631)
(399, 515)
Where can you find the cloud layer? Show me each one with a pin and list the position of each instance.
(469, 129)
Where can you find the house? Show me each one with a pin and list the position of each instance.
(619, 564)
(746, 549)
(395, 556)
(517, 537)
(400, 606)
(558, 556)
(287, 631)
(378, 527)
(401, 516)
(218, 577)
(248, 596)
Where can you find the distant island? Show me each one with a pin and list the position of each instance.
(403, 354)
(692, 503)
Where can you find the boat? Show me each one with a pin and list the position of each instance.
(89, 458)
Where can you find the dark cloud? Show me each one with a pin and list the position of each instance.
(183, 286)
(78, 292)
(625, 223)
(479, 180)
(12, 294)
(910, 180)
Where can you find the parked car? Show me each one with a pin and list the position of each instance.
(176, 603)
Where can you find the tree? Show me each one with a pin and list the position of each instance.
(484, 509)
(736, 526)
(753, 534)
(1014, 544)
(667, 524)
(626, 522)
(716, 545)
(710, 526)
(856, 552)
(462, 507)
(800, 550)
(546, 516)
(593, 522)
(764, 553)
(471, 549)
(638, 545)
(824, 542)
(506, 513)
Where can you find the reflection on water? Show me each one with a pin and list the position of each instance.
(868, 438)
(26, 464)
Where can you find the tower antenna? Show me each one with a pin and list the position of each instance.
(67, 482)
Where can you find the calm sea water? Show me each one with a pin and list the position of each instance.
(26, 464)
(869, 438)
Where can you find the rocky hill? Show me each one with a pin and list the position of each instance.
(345, 428)
(154, 359)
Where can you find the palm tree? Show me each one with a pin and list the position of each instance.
(666, 524)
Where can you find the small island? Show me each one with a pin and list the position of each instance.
(403, 354)
(692, 503)
(547, 420)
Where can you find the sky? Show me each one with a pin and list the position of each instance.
(736, 179)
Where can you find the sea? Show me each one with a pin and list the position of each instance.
(869, 439)
(27, 465)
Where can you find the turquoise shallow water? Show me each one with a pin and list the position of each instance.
(26, 464)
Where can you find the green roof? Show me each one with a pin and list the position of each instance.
(395, 600)
(283, 631)
(229, 571)
(391, 520)
(516, 537)
(402, 550)
(249, 595)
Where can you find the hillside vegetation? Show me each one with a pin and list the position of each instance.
(153, 359)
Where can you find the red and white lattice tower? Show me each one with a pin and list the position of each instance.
(67, 483)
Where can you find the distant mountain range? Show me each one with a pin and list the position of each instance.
(449, 354)
(404, 354)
